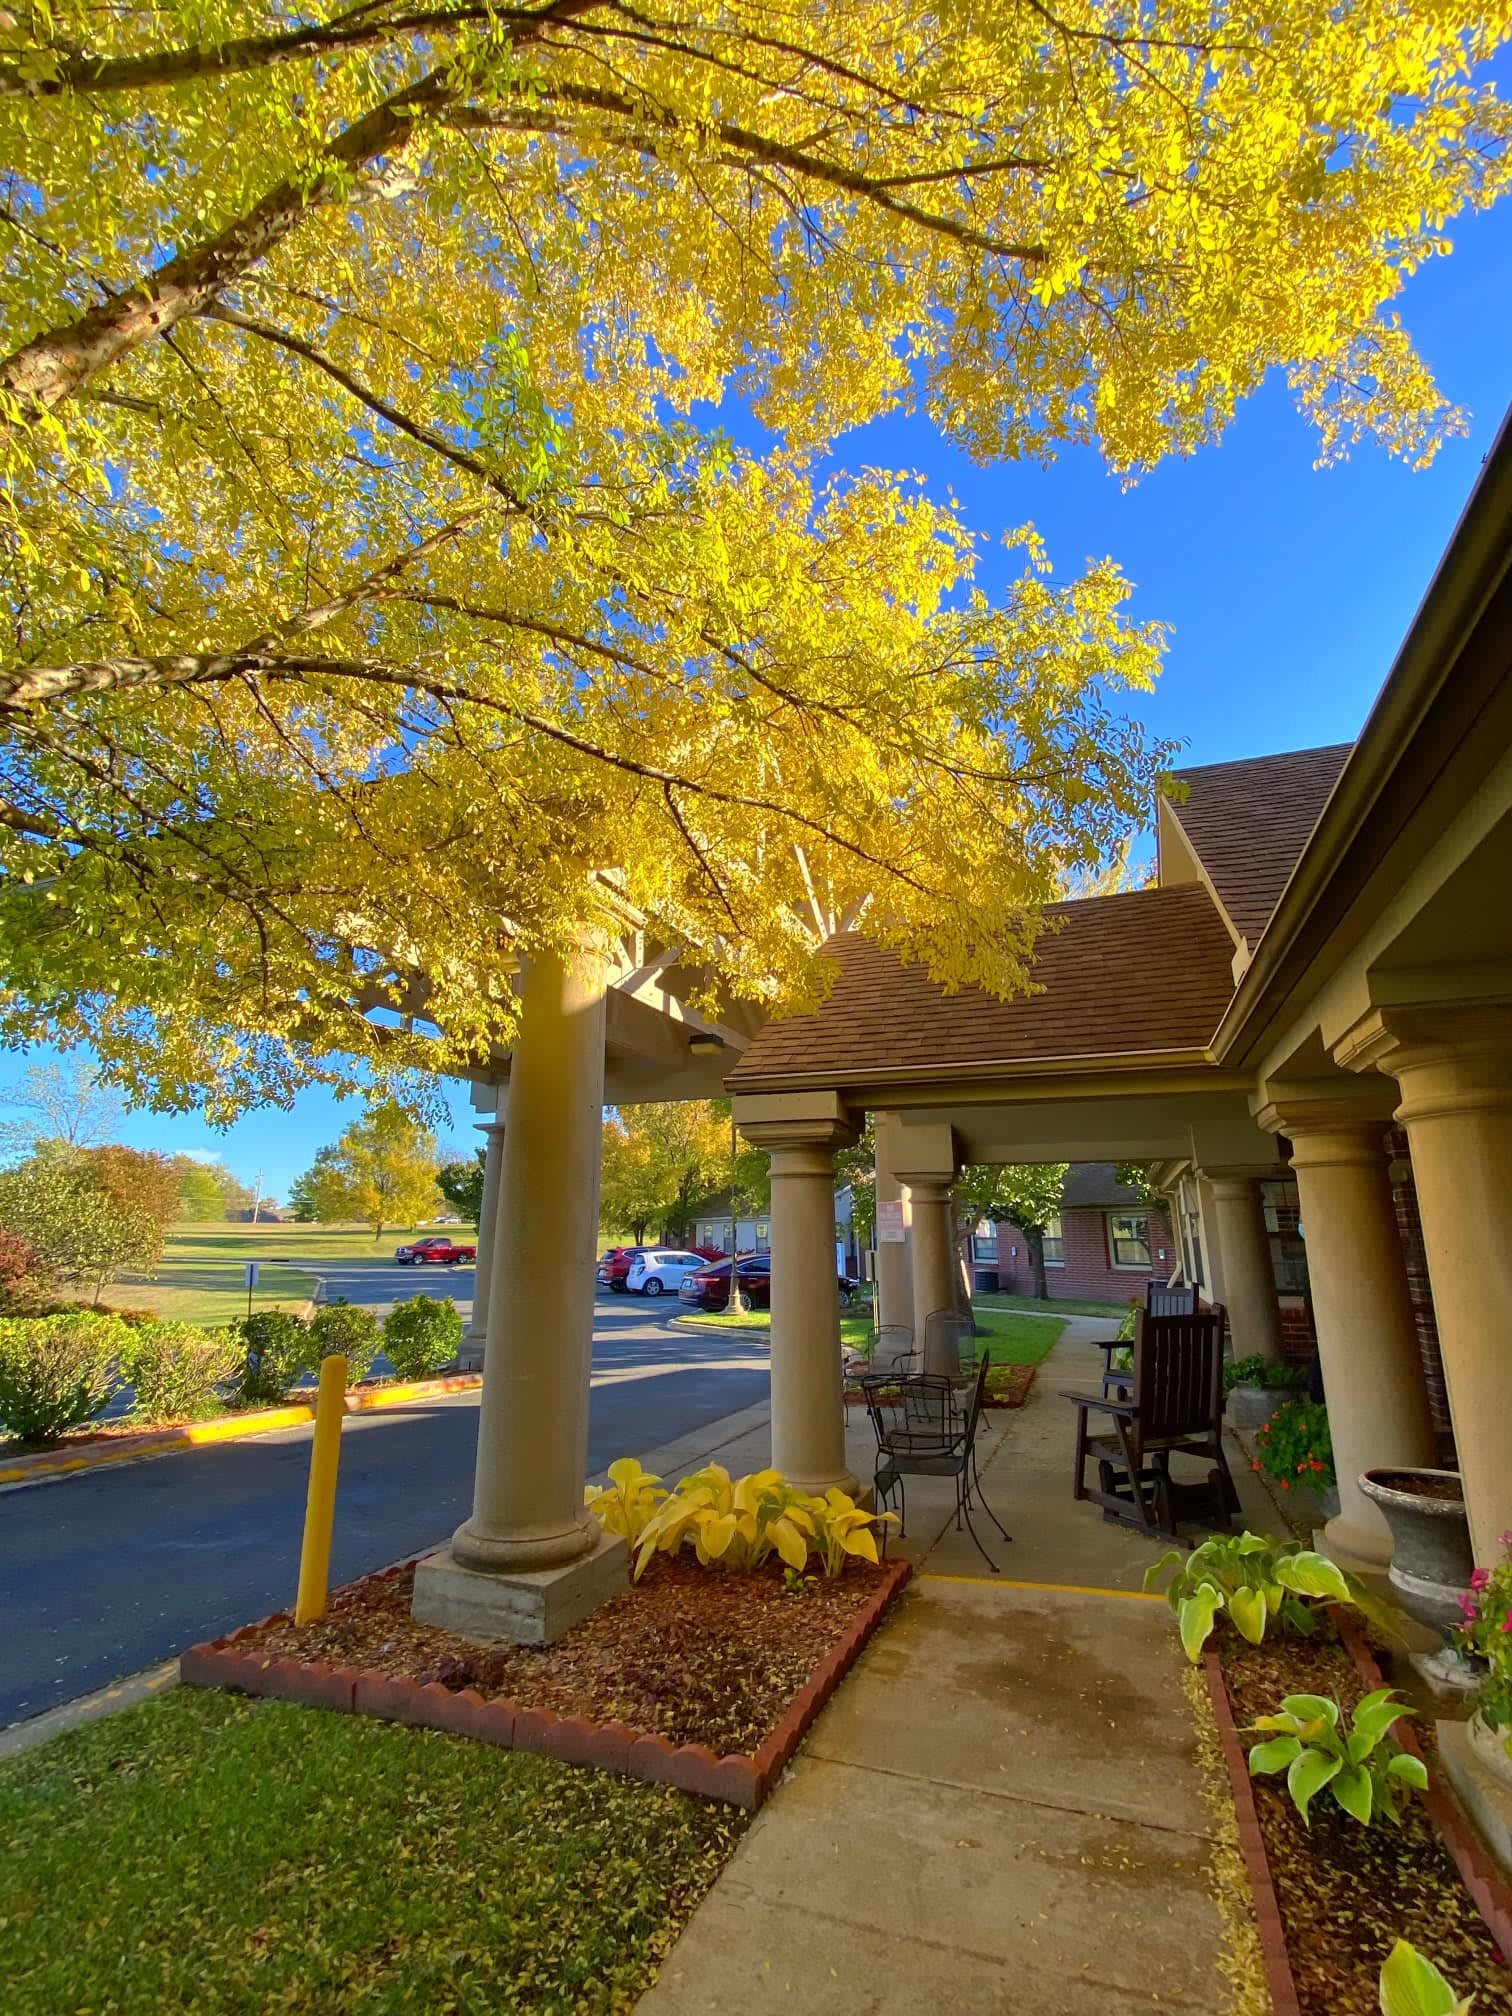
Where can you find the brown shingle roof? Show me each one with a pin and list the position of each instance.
(1248, 823)
(1144, 971)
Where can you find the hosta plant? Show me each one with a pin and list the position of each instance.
(1412, 1986)
(842, 1529)
(741, 1523)
(1256, 1581)
(625, 1504)
(736, 1523)
(1356, 1759)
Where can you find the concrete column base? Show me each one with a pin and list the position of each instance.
(527, 1608)
(470, 1357)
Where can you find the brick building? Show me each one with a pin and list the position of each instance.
(1103, 1246)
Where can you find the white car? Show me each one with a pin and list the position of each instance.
(661, 1271)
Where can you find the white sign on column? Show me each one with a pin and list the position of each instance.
(890, 1223)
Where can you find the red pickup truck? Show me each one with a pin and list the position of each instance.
(436, 1251)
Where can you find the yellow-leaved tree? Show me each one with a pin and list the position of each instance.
(385, 602)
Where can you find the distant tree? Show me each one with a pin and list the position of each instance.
(64, 1103)
(1026, 1194)
(59, 1204)
(857, 1166)
(138, 1179)
(201, 1199)
(306, 1193)
(381, 1172)
(662, 1160)
(1136, 1177)
(461, 1184)
(24, 1279)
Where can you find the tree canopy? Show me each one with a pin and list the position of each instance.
(382, 1172)
(386, 601)
(661, 1160)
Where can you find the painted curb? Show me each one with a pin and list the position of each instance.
(739, 1779)
(1278, 1974)
(223, 1428)
(1488, 1888)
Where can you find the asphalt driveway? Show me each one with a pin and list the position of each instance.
(102, 1574)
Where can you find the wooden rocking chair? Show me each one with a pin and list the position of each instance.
(1175, 1409)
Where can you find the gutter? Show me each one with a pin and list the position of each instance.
(1319, 892)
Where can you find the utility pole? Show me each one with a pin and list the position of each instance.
(257, 1197)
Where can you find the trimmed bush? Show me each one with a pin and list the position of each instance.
(57, 1372)
(277, 1347)
(422, 1335)
(178, 1370)
(353, 1332)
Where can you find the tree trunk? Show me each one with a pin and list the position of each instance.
(1035, 1241)
(963, 1284)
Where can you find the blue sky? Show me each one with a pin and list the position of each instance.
(1287, 588)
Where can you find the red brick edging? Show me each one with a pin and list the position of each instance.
(1278, 1974)
(1487, 1886)
(740, 1779)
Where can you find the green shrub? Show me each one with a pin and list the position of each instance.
(178, 1370)
(277, 1347)
(1276, 1375)
(422, 1335)
(1412, 1986)
(344, 1328)
(1256, 1581)
(57, 1372)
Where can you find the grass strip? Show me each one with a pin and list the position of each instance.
(209, 1853)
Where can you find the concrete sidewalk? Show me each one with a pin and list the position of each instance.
(1000, 1813)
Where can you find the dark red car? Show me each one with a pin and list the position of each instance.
(709, 1288)
(435, 1251)
(615, 1264)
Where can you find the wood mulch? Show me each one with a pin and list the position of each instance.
(1347, 1893)
(698, 1655)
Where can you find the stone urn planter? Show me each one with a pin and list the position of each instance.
(1432, 1562)
(1490, 1749)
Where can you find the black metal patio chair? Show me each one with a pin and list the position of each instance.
(1176, 1409)
(921, 1433)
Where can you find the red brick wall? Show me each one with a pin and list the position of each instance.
(1087, 1275)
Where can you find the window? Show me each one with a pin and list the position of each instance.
(1129, 1239)
(763, 1235)
(1054, 1242)
(984, 1246)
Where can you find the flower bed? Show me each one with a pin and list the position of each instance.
(1007, 1386)
(697, 1678)
(1344, 1893)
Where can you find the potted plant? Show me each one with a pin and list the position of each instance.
(1431, 1562)
(1255, 1387)
(1485, 1633)
(1295, 1447)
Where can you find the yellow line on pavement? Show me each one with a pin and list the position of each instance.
(1053, 1588)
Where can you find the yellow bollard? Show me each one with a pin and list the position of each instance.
(320, 1506)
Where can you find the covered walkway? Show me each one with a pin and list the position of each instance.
(1003, 1811)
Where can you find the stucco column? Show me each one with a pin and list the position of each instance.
(1367, 1343)
(528, 1508)
(808, 1405)
(894, 1275)
(1454, 1068)
(1249, 1280)
(475, 1340)
(931, 1236)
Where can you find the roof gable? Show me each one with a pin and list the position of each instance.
(1248, 823)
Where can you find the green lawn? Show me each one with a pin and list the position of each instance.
(201, 1277)
(1010, 1339)
(1028, 1304)
(217, 1855)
